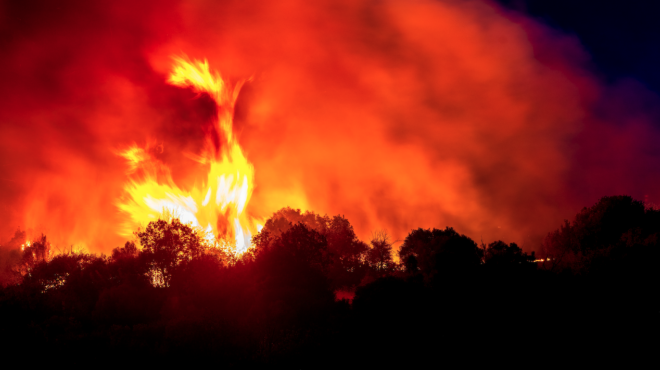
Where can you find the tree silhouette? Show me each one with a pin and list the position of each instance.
(305, 244)
(439, 250)
(128, 251)
(129, 266)
(410, 264)
(166, 245)
(38, 251)
(54, 273)
(379, 255)
(283, 219)
(279, 305)
(500, 253)
(346, 252)
(612, 222)
(261, 240)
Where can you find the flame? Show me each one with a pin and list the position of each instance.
(222, 198)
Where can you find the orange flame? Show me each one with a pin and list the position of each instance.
(223, 198)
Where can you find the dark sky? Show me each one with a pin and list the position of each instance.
(622, 37)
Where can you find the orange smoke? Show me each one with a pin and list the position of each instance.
(394, 114)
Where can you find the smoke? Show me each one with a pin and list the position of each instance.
(396, 114)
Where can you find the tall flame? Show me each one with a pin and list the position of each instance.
(218, 205)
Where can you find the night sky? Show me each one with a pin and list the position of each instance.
(621, 37)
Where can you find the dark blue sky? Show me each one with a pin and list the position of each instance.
(622, 37)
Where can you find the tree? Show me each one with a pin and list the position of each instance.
(347, 252)
(129, 250)
(439, 250)
(612, 222)
(305, 244)
(261, 241)
(379, 256)
(38, 251)
(285, 218)
(410, 264)
(166, 245)
(128, 265)
(500, 253)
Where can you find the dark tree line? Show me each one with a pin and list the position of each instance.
(171, 297)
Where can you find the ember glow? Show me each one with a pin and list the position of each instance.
(217, 205)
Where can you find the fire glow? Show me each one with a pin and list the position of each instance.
(216, 207)
(374, 110)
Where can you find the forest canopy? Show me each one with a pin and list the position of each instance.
(310, 287)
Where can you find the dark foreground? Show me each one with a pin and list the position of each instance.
(450, 302)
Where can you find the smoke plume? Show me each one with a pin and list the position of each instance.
(395, 114)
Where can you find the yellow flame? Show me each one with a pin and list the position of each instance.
(223, 197)
(134, 156)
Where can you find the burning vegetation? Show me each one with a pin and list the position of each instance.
(217, 206)
(374, 110)
(166, 241)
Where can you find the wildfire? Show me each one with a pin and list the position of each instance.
(217, 206)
